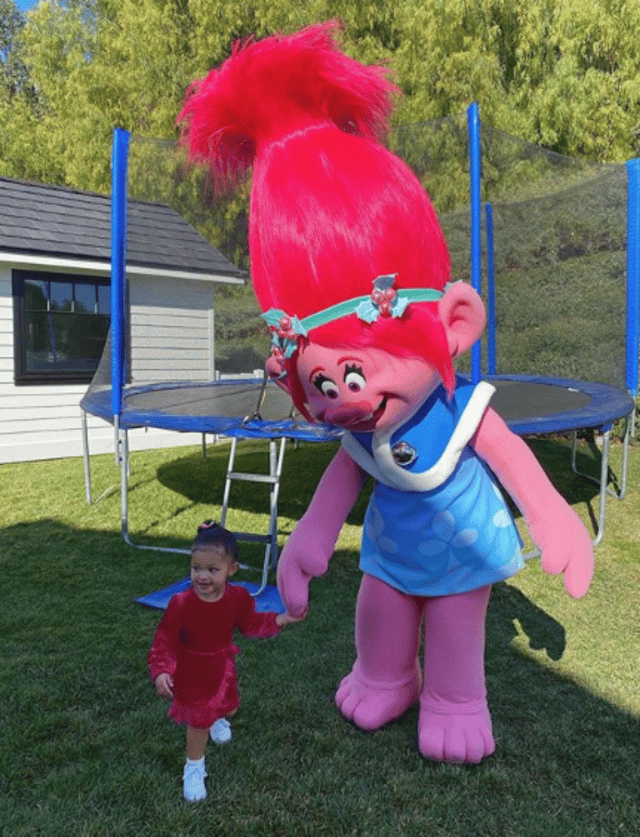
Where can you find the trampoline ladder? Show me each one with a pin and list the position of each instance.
(276, 459)
(272, 479)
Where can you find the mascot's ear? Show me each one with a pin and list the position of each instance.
(463, 316)
(274, 371)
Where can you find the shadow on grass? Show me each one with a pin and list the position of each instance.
(76, 700)
(508, 606)
(201, 480)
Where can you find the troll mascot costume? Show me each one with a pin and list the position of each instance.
(351, 268)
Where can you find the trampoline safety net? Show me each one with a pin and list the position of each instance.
(559, 252)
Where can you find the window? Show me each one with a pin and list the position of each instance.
(61, 324)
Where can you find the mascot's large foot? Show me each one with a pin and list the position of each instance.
(372, 703)
(455, 732)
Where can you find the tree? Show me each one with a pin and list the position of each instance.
(19, 103)
(586, 100)
(13, 73)
(564, 74)
(559, 72)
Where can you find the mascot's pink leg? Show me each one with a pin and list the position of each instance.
(385, 679)
(454, 723)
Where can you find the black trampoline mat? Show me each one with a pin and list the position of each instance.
(546, 405)
(519, 400)
(213, 399)
(527, 404)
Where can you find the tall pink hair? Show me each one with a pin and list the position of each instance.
(331, 207)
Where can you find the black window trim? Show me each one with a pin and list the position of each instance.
(22, 376)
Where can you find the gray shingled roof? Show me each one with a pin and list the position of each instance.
(55, 221)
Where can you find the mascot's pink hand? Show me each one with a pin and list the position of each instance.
(566, 548)
(300, 561)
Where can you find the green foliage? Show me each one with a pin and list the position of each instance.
(13, 73)
(158, 172)
(561, 74)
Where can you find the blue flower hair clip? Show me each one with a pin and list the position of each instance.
(286, 331)
(384, 300)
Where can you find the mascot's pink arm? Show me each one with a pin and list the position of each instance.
(554, 527)
(308, 550)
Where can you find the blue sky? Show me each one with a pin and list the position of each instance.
(24, 5)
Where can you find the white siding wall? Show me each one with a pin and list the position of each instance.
(172, 339)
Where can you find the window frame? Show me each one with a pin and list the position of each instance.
(22, 375)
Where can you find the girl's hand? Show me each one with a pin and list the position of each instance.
(283, 619)
(164, 685)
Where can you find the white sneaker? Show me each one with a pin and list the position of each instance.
(221, 731)
(193, 788)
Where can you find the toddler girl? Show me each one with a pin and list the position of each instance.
(191, 659)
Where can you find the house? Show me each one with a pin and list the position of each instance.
(55, 312)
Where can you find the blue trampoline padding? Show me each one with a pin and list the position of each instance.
(226, 407)
(269, 599)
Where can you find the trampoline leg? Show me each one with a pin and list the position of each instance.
(603, 483)
(630, 421)
(123, 459)
(604, 478)
(276, 461)
(628, 432)
(85, 456)
(227, 482)
(574, 450)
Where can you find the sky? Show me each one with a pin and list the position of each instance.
(25, 5)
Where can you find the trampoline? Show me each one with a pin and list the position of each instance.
(529, 403)
(234, 408)
(244, 409)
(252, 409)
(532, 405)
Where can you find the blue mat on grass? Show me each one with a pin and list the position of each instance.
(269, 599)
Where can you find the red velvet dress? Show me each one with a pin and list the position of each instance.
(193, 643)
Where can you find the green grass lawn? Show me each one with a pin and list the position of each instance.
(87, 749)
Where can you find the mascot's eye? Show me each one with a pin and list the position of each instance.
(326, 386)
(354, 378)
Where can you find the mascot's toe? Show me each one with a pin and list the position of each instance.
(455, 732)
(371, 703)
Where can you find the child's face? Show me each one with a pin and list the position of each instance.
(210, 568)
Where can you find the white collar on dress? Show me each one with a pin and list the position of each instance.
(383, 467)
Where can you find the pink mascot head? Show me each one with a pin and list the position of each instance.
(332, 210)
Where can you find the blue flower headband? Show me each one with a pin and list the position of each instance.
(384, 301)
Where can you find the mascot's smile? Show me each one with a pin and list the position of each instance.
(372, 424)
